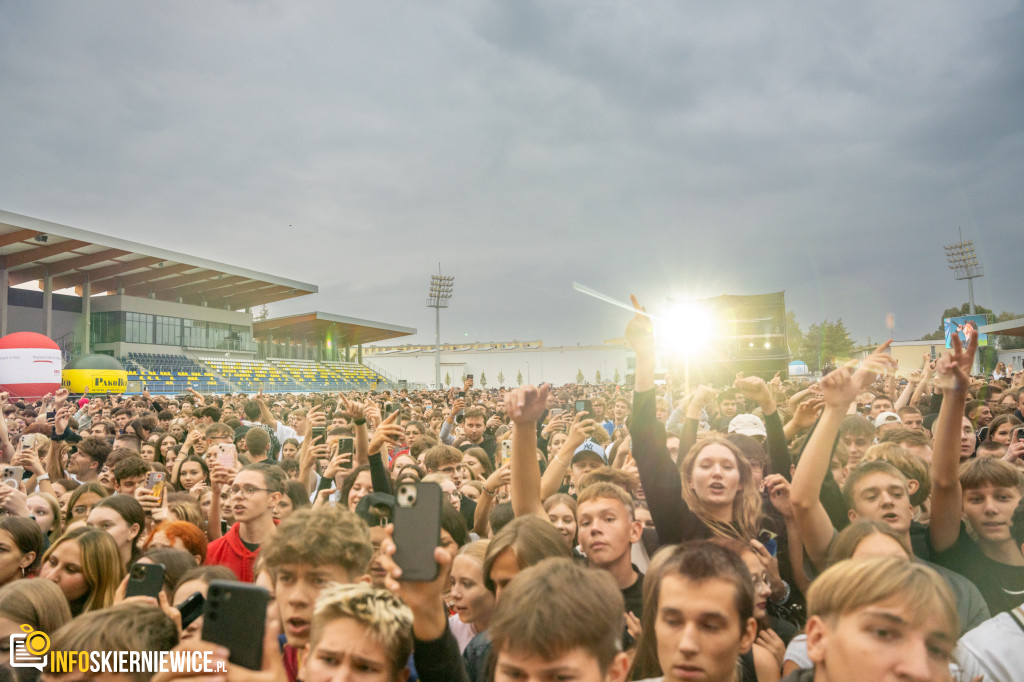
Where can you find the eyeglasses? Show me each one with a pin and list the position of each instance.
(246, 491)
(454, 495)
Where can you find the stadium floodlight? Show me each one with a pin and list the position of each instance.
(963, 261)
(440, 293)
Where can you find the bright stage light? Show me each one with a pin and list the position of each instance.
(687, 328)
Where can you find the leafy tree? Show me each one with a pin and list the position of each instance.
(519, 378)
(597, 377)
(483, 379)
(826, 343)
(618, 377)
(263, 314)
(794, 336)
(579, 376)
(988, 355)
(501, 378)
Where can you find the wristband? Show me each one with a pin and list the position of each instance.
(359, 422)
(486, 491)
(43, 477)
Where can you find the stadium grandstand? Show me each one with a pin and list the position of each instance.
(172, 320)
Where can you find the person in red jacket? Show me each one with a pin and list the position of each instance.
(254, 493)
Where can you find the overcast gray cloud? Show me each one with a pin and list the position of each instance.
(663, 148)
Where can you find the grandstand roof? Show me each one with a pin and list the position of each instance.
(352, 329)
(1009, 328)
(30, 247)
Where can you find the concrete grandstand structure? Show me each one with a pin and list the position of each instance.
(503, 363)
(172, 319)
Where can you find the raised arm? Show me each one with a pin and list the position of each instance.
(756, 389)
(816, 528)
(952, 375)
(525, 405)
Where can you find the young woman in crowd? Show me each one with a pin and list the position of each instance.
(180, 535)
(81, 501)
(37, 603)
(197, 580)
(190, 472)
(21, 548)
(123, 517)
(473, 602)
(290, 448)
(1000, 429)
(295, 496)
(356, 486)
(561, 511)
(45, 509)
(86, 565)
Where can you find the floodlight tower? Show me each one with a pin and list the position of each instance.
(963, 261)
(437, 298)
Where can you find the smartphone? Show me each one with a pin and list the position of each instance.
(390, 407)
(982, 434)
(506, 452)
(191, 608)
(226, 455)
(319, 432)
(146, 580)
(233, 616)
(1018, 434)
(417, 522)
(346, 446)
(12, 476)
(28, 441)
(462, 394)
(469, 377)
(155, 482)
(585, 406)
(554, 412)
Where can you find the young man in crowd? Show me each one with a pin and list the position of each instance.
(879, 405)
(607, 524)
(253, 494)
(85, 463)
(558, 620)
(312, 549)
(699, 617)
(984, 491)
(874, 490)
(879, 619)
(129, 474)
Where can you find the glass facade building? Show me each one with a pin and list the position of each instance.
(119, 326)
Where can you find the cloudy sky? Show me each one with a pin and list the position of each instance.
(658, 147)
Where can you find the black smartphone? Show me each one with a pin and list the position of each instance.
(233, 616)
(417, 522)
(585, 406)
(146, 580)
(1018, 434)
(191, 608)
(346, 445)
(462, 394)
(319, 432)
(469, 377)
(982, 434)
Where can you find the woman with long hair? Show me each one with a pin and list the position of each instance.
(37, 603)
(190, 472)
(123, 517)
(86, 565)
(81, 502)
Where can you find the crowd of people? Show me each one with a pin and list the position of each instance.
(856, 527)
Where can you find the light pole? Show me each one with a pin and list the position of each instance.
(963, 261)
(437, 298)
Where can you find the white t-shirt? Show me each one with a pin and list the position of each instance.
(994, 649)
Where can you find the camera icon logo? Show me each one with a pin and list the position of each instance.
(29, 650)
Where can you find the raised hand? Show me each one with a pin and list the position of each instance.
(879, 362)
(953, 369)
(526, 404)
(639, 330)
(806, 412)
(754, 388)
(838, 388)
